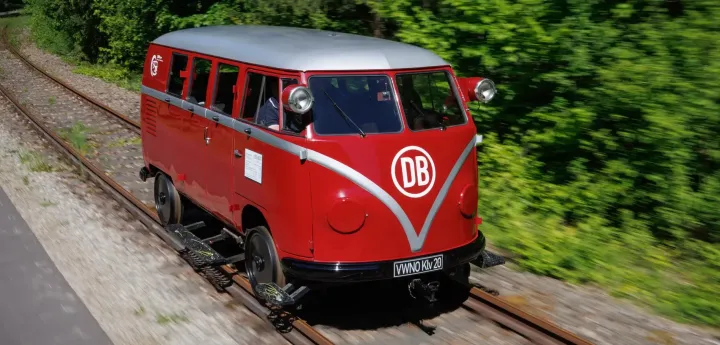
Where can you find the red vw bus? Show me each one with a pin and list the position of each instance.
(312, 157)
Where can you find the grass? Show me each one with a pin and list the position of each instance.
(110, 73)
(140, 311)
(125, 142)
(51, 100)
(47, 203)
(35, 162)
(26, 180)
(77, 137)
(164, 319)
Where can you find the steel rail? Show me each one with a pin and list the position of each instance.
(242, 289)
(133, 125)
(538, 330)
(534, 328)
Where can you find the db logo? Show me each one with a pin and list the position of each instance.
(416, 169)
(156, 59)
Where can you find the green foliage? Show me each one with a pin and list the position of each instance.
(601, 162)
(131, 25)
(117, 75)
(35, 162)
(10, 5)
(121, 142)
(77, 137)
(164, 319)
(66, 27)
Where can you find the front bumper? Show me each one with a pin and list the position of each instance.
(379, 270)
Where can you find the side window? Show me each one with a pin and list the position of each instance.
(261, 100)
(225, 88)
(175, 81)
(199, 81)
(429, 100)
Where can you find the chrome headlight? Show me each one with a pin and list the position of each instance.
(485, 90)
(300, 100)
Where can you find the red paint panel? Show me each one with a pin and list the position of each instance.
(467, 202)
(186, 138)
(218, 165)
(156, 140)
(159, 57)
(283, 193)
(382, 237)
(346, 216)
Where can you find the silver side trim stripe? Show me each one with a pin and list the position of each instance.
(416, 241)
(444, 191)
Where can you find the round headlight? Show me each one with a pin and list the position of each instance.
(485, 90)
(300, 100)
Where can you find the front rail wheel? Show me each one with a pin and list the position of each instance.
(167, 200)
(262, 264)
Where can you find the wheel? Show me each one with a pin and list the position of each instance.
(262, 264)
(167, 200)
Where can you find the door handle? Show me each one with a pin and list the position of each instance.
(205, 136)
(190, 108)
(248, 130)
(216, 118)
(237, 153)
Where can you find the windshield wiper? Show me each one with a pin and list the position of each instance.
(347, 118)
(419, 110)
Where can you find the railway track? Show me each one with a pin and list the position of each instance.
(135, 196)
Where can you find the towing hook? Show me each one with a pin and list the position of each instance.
(420, 288)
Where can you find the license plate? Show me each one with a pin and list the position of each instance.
(417, 266)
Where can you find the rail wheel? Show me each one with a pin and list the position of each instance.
(261, 260)
(167, 200)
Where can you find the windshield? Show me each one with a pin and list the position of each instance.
(429, 101)
(358, 104)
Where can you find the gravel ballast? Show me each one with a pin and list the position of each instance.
(138, 289)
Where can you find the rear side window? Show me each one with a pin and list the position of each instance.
(199, 81)
(261, 99)
(175, 81)
(225, 88)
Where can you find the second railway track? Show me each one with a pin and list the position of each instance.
(106, 143)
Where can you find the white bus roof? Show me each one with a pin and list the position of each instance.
(300, 49)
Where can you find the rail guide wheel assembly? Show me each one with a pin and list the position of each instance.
(200, 254)
(278, 296)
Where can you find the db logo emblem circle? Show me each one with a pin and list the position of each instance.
(414, 167)
(154, 62)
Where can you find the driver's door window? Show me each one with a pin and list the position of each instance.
(429, 101)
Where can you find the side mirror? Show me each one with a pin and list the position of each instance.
(297, 98)
(478, 89)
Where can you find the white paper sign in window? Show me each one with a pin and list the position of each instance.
(253, 166)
